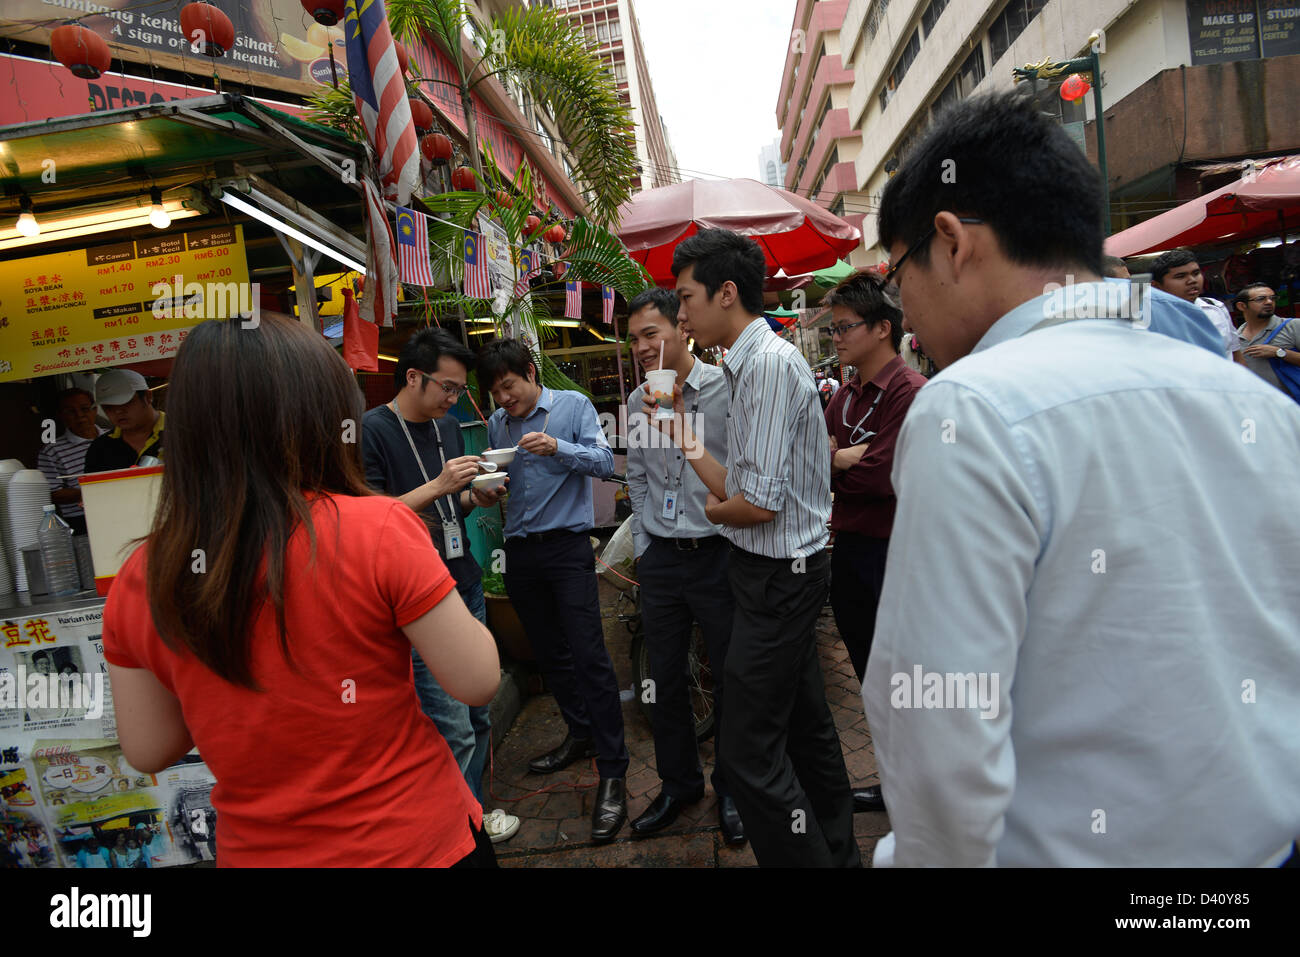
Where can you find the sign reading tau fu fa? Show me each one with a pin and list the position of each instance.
(123, 302)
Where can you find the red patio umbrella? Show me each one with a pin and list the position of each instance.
(1258, 204)
(796, 235)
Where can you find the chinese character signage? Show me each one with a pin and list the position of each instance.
(117, 303)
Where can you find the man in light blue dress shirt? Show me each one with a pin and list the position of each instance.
(1080, 657)
(550, 566)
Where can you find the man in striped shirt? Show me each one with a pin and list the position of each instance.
(780, 746)
(65, 458)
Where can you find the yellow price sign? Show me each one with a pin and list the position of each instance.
(129, 301)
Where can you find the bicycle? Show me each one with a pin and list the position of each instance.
(700, 679)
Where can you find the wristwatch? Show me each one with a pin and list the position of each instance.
(1281, 353)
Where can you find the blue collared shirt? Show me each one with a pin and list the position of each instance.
(549, 492)
(1061, 547)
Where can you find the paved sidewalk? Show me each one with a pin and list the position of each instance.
(555, 809)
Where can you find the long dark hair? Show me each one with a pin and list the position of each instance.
(256, 418)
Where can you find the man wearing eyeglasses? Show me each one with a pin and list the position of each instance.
(413, 450)
(863, 420)
(1072, 630)
(1266, 339)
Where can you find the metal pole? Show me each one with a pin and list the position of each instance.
(618, 354)
(1101, 139)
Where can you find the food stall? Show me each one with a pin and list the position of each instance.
(153, 219)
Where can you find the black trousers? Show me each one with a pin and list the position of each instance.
(483, 855)
(784, 763)
(678, 588)
(552, 585)
(857, 577)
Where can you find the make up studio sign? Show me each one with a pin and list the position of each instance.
(1225, 30)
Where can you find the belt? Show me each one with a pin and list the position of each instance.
(688, 544)
(548, 536)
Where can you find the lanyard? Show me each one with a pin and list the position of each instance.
(669, 482)
(854, 430)
(545, 422)
(437, 503)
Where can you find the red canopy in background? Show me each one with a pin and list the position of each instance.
(1263, 204)
(796, 235)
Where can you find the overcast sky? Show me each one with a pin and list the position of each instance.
(716, 69)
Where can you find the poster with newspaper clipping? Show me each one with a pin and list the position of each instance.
(68, 797)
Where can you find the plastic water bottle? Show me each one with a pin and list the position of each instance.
(58, 557)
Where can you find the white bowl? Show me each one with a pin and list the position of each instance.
(488, 481)
(499, 457)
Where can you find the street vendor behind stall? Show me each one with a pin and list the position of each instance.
(138, 426)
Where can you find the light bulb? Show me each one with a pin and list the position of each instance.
(28, 226)
(158, 217)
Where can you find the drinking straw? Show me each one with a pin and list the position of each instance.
(661, 354)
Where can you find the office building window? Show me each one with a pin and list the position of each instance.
(1010, 23)
(932, 14)
(901, 66)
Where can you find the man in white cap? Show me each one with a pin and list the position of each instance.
(138, 426)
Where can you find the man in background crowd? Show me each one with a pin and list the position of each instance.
(1112, 267)
(1178, 273)
(65, 458)
(863, 421)
(1266, 339)
(137, 426)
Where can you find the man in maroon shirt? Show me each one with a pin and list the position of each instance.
(863, 419)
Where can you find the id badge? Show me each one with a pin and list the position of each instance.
(670, 506)
(451, 538)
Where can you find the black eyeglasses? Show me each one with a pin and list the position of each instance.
(448, 387)
(1262, 299)
(844, 329)
(893, 270)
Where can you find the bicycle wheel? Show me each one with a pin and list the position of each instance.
(700, 682)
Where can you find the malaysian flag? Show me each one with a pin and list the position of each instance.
(607, 301)
(413, 264)
(380, 95)
(573, 299)
(381, 266)
(477, 282)
(530, 267)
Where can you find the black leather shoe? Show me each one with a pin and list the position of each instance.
(733, 829)
(663, 810)
(868, 799)
(573, 749)
(611, 810)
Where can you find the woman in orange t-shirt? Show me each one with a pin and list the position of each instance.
(269, 618)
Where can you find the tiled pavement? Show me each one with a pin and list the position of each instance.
(555, 809)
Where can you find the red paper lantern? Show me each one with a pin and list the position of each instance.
(207, 28)
(437, 148)
(1075, 87)
(81, 50)
(555, 234)
(325, 12)
(462, 178)
(531, 224)
(403, 57)
(504, 199)
(421, 115)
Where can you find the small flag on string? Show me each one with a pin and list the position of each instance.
(607, 295)
(477, 283)
(413, 263)
(573, 299)
(530, 267)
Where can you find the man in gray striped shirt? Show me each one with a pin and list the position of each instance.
(65, 458)
(780, 746)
